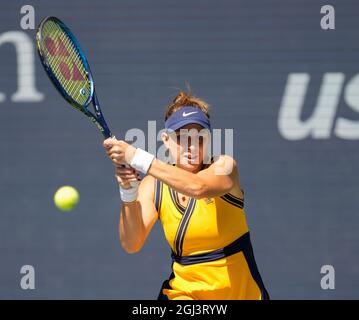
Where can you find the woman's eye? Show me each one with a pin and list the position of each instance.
(182, 138)
(190, 139)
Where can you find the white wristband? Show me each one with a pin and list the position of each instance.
(129, 195)
(142, 160)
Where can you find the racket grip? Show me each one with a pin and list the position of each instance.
(133, 184)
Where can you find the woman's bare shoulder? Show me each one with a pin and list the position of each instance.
(147, 186)
(147, 181)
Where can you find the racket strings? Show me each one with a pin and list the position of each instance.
(71, 86)
(66, 63)
(77, 58)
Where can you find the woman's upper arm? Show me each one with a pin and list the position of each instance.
(146, 200)
(221, 177)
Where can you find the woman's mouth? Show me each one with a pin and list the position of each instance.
(191, 158)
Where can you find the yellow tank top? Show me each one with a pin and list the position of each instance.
(211, 250)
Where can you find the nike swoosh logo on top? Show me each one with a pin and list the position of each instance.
(189, 113)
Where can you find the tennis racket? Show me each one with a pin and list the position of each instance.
(66, 65)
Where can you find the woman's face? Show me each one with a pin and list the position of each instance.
(187, 146)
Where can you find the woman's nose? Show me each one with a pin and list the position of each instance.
(192, 147)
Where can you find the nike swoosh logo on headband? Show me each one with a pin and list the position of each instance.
(189, 113)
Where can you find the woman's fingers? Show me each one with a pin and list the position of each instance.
(116, 150)
(108, 143)
(124, 181)
(127, 174)
(133, 179)
(125, 170)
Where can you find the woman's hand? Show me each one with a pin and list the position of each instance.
(120, 152)
(125, 175)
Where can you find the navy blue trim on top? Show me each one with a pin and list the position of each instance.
(189, 213)
(236, 246)
(235, 197)
(248, 254)
(230, 198)
(158, 195)
(182, 228)
(178, 206)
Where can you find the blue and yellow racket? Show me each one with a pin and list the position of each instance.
(67, 67)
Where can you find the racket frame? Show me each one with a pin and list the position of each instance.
(97, 118)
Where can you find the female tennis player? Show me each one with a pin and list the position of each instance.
(199, 204)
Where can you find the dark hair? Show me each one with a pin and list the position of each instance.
(186, 99)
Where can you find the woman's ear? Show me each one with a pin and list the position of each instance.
(167, 143)
(165, 139)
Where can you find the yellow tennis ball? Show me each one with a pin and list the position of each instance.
(66, 198)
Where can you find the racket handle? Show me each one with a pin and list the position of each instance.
(133, 184)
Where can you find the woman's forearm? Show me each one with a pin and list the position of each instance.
(183, 181)
(131, 227)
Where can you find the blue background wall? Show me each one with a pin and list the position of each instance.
(301, 195)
